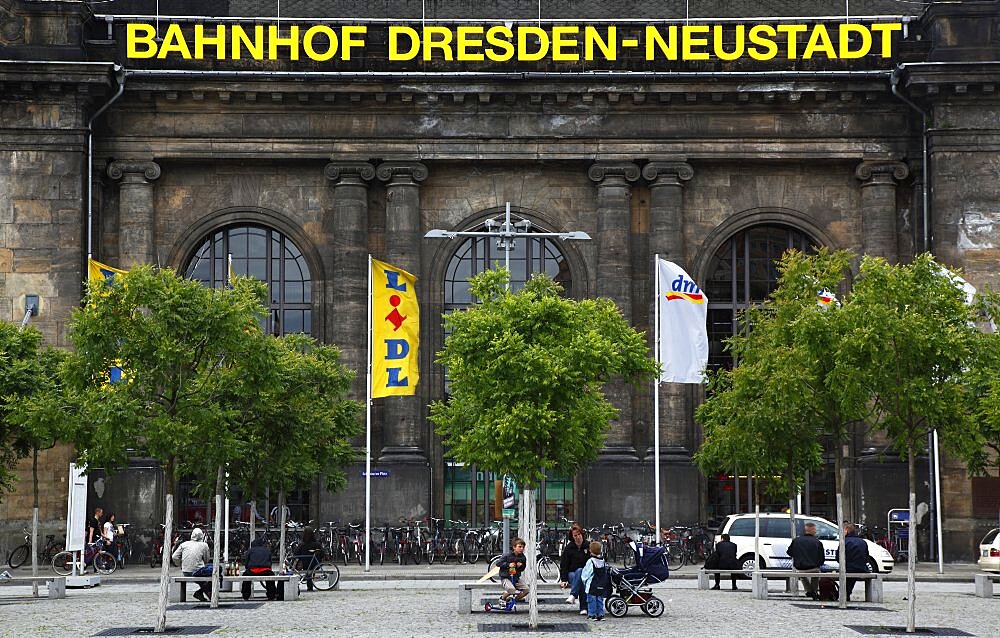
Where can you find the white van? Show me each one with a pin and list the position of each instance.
(775, 538)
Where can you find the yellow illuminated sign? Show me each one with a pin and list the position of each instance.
(476, 43)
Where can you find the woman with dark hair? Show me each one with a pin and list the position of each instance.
(108, 530)
(574, 559)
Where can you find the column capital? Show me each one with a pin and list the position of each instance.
(120, 168)
(872, 172)
(401, 172)
(617, 171)
(349, 172)
(667, 173)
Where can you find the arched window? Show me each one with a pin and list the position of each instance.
(528, 256)
(744, 271)
(267, 255)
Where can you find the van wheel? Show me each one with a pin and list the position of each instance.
(872, 567)
(747, 564)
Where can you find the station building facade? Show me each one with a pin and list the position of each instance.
(300, 172)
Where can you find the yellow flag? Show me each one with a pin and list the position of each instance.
(98, 271)
(395, 331)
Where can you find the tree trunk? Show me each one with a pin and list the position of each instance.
(790, 482)
(216, 581)
(253, 519)
(281, 534)
(528, 533)
(911, 559)
(841, 554)
(161, 613)
(34, 520)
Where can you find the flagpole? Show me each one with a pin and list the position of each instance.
(656, 393)
(368, 429)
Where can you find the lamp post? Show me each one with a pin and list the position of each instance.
(505, 232)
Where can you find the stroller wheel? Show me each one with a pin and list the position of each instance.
(488, 607)
(617, 606)
(653, 607)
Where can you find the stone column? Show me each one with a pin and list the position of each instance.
(136, 216)
(878, 206)
(404, 436)
(614, 281)
(346, 225)
(666, 211)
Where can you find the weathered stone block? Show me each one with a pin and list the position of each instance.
(32, 211)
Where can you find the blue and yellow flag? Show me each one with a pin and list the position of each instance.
(98, 271)
(395, 331)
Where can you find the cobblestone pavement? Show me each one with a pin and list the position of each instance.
(429, 608)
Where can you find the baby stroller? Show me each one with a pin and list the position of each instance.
(631, 586)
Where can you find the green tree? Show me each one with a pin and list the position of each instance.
(29, 390)
(526, 372)
(173, 338)
(984, 386)
(908, 343)
(769, 414)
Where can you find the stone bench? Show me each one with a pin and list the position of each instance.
(705, 580)
(178, 585)
(55, 585)
(488, 589)
(984, 584)
(873, 582)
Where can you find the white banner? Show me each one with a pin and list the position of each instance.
(683, 309)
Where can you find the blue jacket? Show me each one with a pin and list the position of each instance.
(856, 553)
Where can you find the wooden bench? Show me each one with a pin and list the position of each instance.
(873, 582)
(984, 584)
(55, 585)
(178, 585)
(491, 589)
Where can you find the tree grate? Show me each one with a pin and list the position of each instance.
(836, 608)
(563, 627)
(886, 630)
(191, 630)
(180, 607)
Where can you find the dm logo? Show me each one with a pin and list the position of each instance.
(685, 289)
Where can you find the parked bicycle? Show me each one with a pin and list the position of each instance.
(21, 553)
(93, 554)
(324, 576)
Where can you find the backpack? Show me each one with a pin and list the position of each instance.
(828, 589)
(600, 584)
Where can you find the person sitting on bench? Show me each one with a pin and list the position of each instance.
(258, 562)
(724, 557)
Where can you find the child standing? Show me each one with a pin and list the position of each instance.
(511, 567)
(596, 582)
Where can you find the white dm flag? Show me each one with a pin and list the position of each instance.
(683, 334)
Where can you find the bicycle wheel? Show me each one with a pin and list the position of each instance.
(105, 563)
(431, 552)
(494, 564)
(460, 551)
(418, 553)
(548, 571)
(359, 549)
(19, 556)
(675, 558)
(62, 563)
(326, 577)
(473, 551)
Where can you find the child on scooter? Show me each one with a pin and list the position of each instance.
(511, 567)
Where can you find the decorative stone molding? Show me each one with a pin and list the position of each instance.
(401, 171)
(667, 173)
(349, 172)
(872, 172)
(626, 171)
(118, 169)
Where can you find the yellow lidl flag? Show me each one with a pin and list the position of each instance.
(98, 271)
(395, 331)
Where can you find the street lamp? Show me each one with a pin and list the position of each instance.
(505, 233)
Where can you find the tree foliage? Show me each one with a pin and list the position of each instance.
(767, 415)
(28, 379)
(526, 372)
